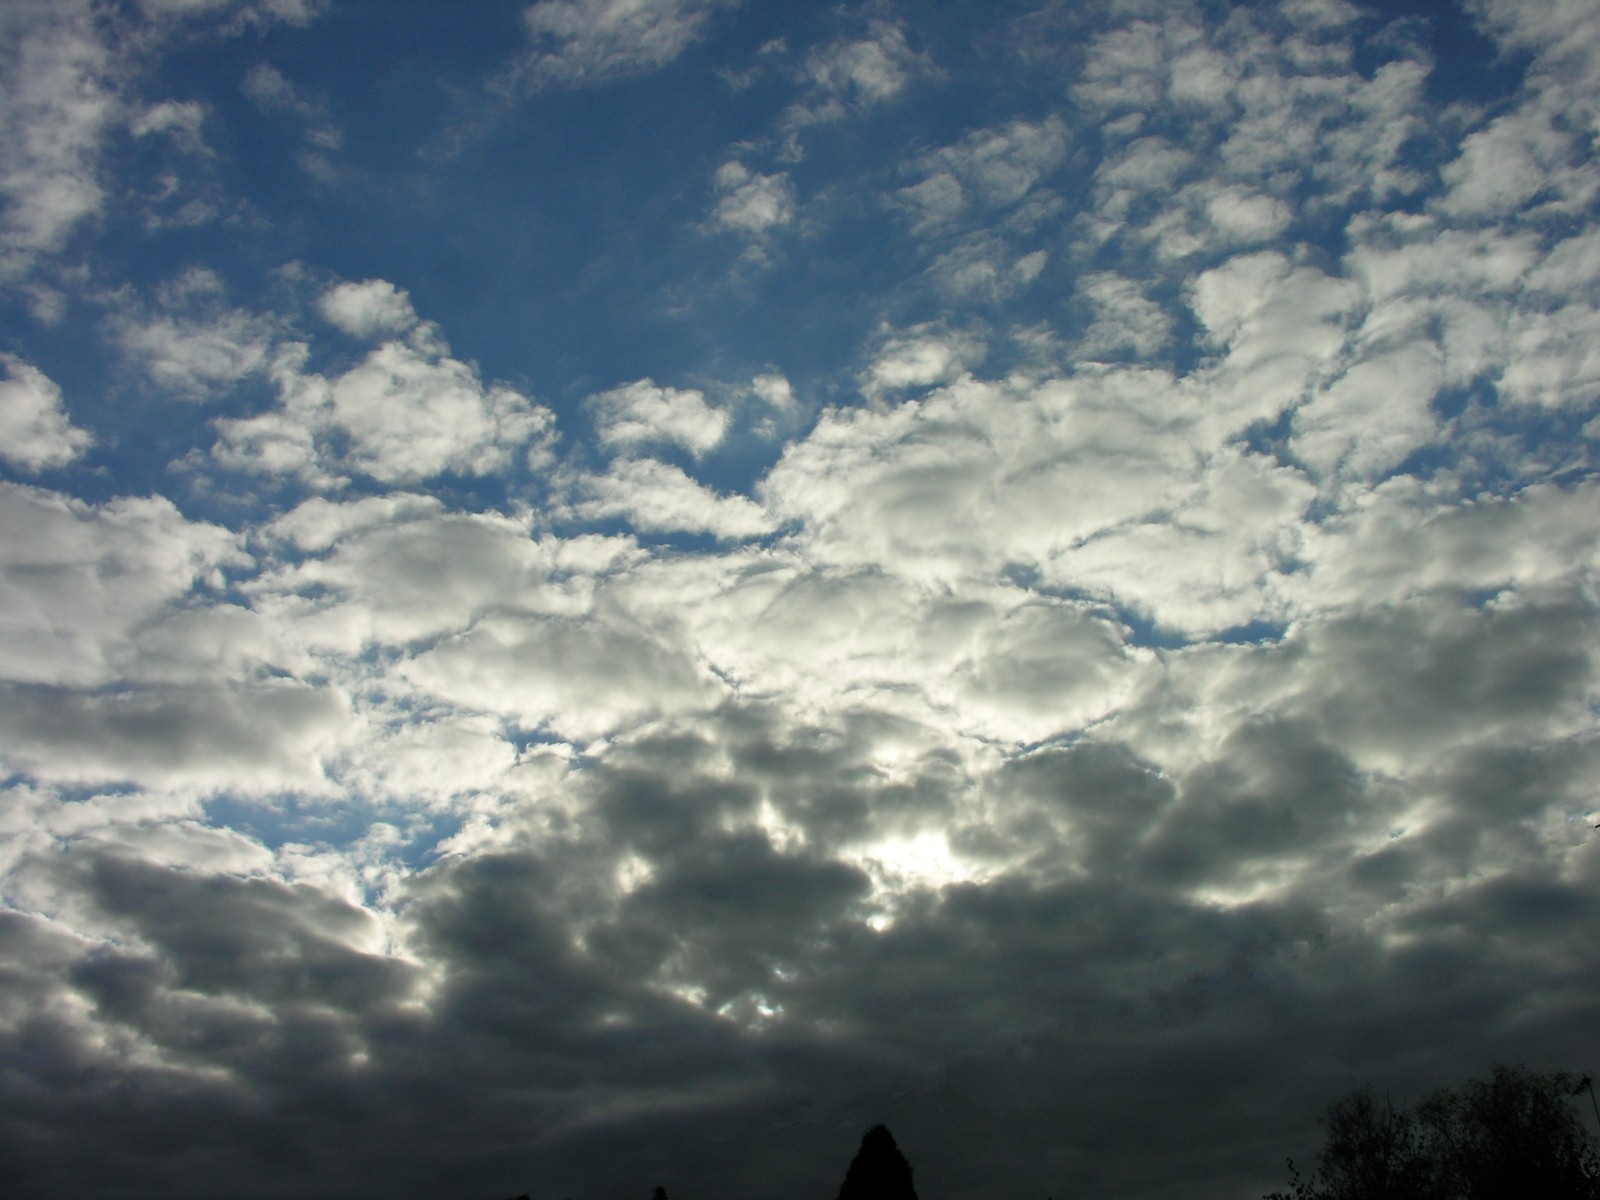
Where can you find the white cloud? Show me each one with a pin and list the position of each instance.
(196, 357)
(1042, 671)
(1565, 43)
(1259, 110)
(1241, 215)
(581, 677)
(1217, 562)
(995, 168)
(866, 70)
(404, 414)
(1415, 255)
(179, 119)
(1553, 358)
(775, 390)
(400, 569)
(257, 737)
(319, 524)
(852, 74)
(749, 203)
(580, 43)
(978, 474)
(1125, 319)
(1147, 164)
(937, 200)
(1375, 414)
(1129, 67)
(985, 268)
(245, 13)
(81, 581)
(1282, 327)
(1504, 166)
(1572, 264)
(1405, 538)
(411, 415)
(58, 105)
(66, 73)
(641, 414)
(919, 357)
(657, 497)
(368, 308)
(439, 757)
(35, 431)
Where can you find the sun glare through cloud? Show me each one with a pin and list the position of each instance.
(595, 591)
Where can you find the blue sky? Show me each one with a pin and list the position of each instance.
(609, 592)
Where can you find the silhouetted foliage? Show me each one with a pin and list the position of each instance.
(659, 1194)
(879, 1171)
(1513, 1136)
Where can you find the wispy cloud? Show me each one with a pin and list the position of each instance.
(583, 43)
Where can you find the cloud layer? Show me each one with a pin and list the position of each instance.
(720, 615)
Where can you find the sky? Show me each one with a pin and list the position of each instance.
(602, 593)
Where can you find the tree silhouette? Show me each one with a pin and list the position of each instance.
(879, 1171)
(1510, 1137)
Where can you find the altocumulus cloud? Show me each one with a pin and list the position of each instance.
(1031, 577)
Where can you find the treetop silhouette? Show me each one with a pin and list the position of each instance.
(1508, 1137)
(879, 1171)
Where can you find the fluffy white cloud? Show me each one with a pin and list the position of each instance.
(580, 677)
(179, 119)
(919, 357)
(1125, 319)
(404, 413)
(81, 581)
(1240, 215)
(1505, 165)
(368, 308)
(1043, 671)
(654, 496)
(442, 756)
(35, 431)
(396, 570)
(1405, 537)
(1553, 358)
(1373, 415)
(258, 737)
(775, 391)
(751, 203)
(191, 343)
(985, 267)
(642, 414)
(1281, 326)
